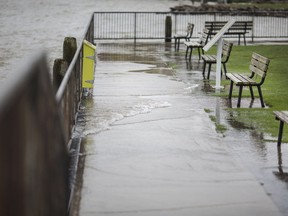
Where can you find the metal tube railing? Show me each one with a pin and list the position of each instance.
(69, 92)
(151, 25)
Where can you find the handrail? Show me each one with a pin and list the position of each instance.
(150, 25)
(69, 93)
(63, 85)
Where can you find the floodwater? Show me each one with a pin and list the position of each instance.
(31, 25)
(177, 83)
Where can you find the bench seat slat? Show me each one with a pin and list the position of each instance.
(282, 115)
(256, 67)
(209, 58)
(239, 28)
(192, 43)
(240, 79)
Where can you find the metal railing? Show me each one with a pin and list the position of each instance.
(151, 25)
(69, 92)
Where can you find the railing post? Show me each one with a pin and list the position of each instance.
(135, 26)
(253, 27)
(59, 69)
(175, 23)
(69, 48)
(168, 28)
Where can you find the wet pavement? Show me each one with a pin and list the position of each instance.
(150, 145)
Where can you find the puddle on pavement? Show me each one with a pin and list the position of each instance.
(257, 151)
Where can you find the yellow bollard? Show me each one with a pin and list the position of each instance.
(88, 65)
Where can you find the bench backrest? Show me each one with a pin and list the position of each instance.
(226, 50)
(238, 26)
(259, 66)
(190, 29)
(204, 37)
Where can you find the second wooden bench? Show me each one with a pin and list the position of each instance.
(258, 67)
(238, 28)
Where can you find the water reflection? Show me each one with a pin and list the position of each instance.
(280, 174)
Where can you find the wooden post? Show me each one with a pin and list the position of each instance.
(69, 49)
(168, 28)
(59, 69)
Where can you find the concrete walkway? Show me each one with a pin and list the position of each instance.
(151, 148)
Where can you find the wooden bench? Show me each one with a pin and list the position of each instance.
(282, 116)
(187, 36)
(258, 67)
(212, 59)
(238, 28)
(199, 45)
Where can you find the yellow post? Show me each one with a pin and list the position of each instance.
(88, 64)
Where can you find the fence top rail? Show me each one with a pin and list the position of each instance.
(133, 12)
(187, 13)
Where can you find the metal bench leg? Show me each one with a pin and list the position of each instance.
(204, 68)
(230, 91)
(238, 39)
(175, 44)
(178, 44)
(190, 56)
(244, 38)
(186, 52)
(199, 55)
(251, 92)
(261, 97)
(239, 96)
(225, 70)
(209, 69)
(280, 133)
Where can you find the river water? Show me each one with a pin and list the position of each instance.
(31, 25)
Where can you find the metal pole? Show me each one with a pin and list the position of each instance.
(135, 25)
(218, 64)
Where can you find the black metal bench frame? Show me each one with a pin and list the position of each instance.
(187, 36)
(258, 67)
(212, 59)
(199, 45)
(282, 116)
(238, 28)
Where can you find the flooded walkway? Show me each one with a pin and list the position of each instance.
(150, 147)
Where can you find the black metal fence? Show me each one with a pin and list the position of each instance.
(151, 25)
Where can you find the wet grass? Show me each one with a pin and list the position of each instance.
(275, 87)
(219, 127)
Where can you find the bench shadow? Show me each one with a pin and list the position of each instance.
(280, 174)
(245, 103)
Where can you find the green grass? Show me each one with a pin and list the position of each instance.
(219, 127)
(275, 87)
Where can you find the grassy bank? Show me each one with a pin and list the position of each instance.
(275, 88)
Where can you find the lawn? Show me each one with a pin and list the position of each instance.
(275, 87)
